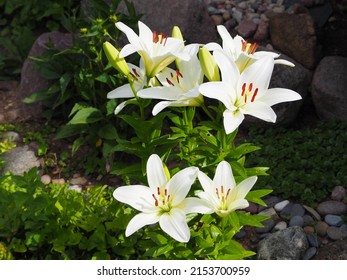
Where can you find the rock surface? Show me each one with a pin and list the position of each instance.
(329, 88)
(288, 244)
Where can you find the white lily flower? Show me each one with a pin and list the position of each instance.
(242, 52)
(125, 91)
(179, 87)
(246, 93)
(221, 194)
(156, 50)
(164, 201)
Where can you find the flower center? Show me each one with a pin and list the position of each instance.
(159, 38)
(248, 47)
(223, 197)
(174, 78)
(162, 200)
(249, 93)
(134, 74)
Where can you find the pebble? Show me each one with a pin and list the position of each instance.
(332, 207)
(60, 181)
(296, 221)
(75, 188)
(78, 181)
(271, 212)
(280, 205)
(308, 220)
(313, 240)
(285, 213)
(242, 233)
(46, 179)
(334, 233)
(268, 226)
(321, 228)
(313, 212)
(297, 210)
(11, 135)
(333, 220)
(280, 226)
(310, 253)
(309, 229)
(338, 193)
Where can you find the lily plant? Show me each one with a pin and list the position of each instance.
(156, 49)
(180, 87)
(241, 51)
(246, 93)
(163, 201)
(222, 195)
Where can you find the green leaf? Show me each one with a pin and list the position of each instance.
(256, 195)
(247, 219)
(86, 116)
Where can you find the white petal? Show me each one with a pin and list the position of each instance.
(137, 196)
(232, 120)
(133, 38)
(180, 184)
(128, 50)
(284, 62)
(195, 205)
(238, 204)
(122, 105)
(245, 186)
(260, 110)
(278, 95)
(123, 91)
(139, 221)
(224, 176)
(146, 35)
(156, 176)
(259, 73)
(160, 107)
(220, 91)
(205, 182)
(228, 68)
(175, 225)
(165, 93)
(213, 46)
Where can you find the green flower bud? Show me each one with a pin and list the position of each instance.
(112, 55)
(176, 33)
(208, 65)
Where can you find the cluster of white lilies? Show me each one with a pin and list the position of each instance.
(237, 75)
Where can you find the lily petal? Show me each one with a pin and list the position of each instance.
(180, 184)
(137, 196)
(156, 176)
(224, 176)
(238, 204)
(260, 110)
(139, 221)
(228, 68)
(123, 91)
(175, 225)
(245, 186)
(195, 205)
(220, 91)
(232, 120)
(279, 95)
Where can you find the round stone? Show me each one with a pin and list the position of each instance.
(308, 220)
(321, 228)
(313, 212)
(11, 135)
(280, 205)
(309, 229)
(332, 207)
(296, 221)
(334, 233)
(280, 226)
(46, 179)
(333, 220)
(268, 226)
(310, 253)
(313, 240)
(338, 193)
(285, 213)
(242, 233)
(297, 210)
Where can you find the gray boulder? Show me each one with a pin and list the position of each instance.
(287, 244)
(20, 160)
(329, 88)
(31, 80)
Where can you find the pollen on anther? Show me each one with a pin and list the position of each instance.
(243, 89)
(254, 94)
(156, 200)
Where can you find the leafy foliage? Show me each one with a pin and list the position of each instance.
(305, 164)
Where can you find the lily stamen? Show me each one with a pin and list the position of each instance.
(169, 82)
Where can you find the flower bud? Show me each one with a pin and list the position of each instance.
(112, 55)
(176, 33)
(208, 65)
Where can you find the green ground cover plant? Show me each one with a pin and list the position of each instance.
(305, 163)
